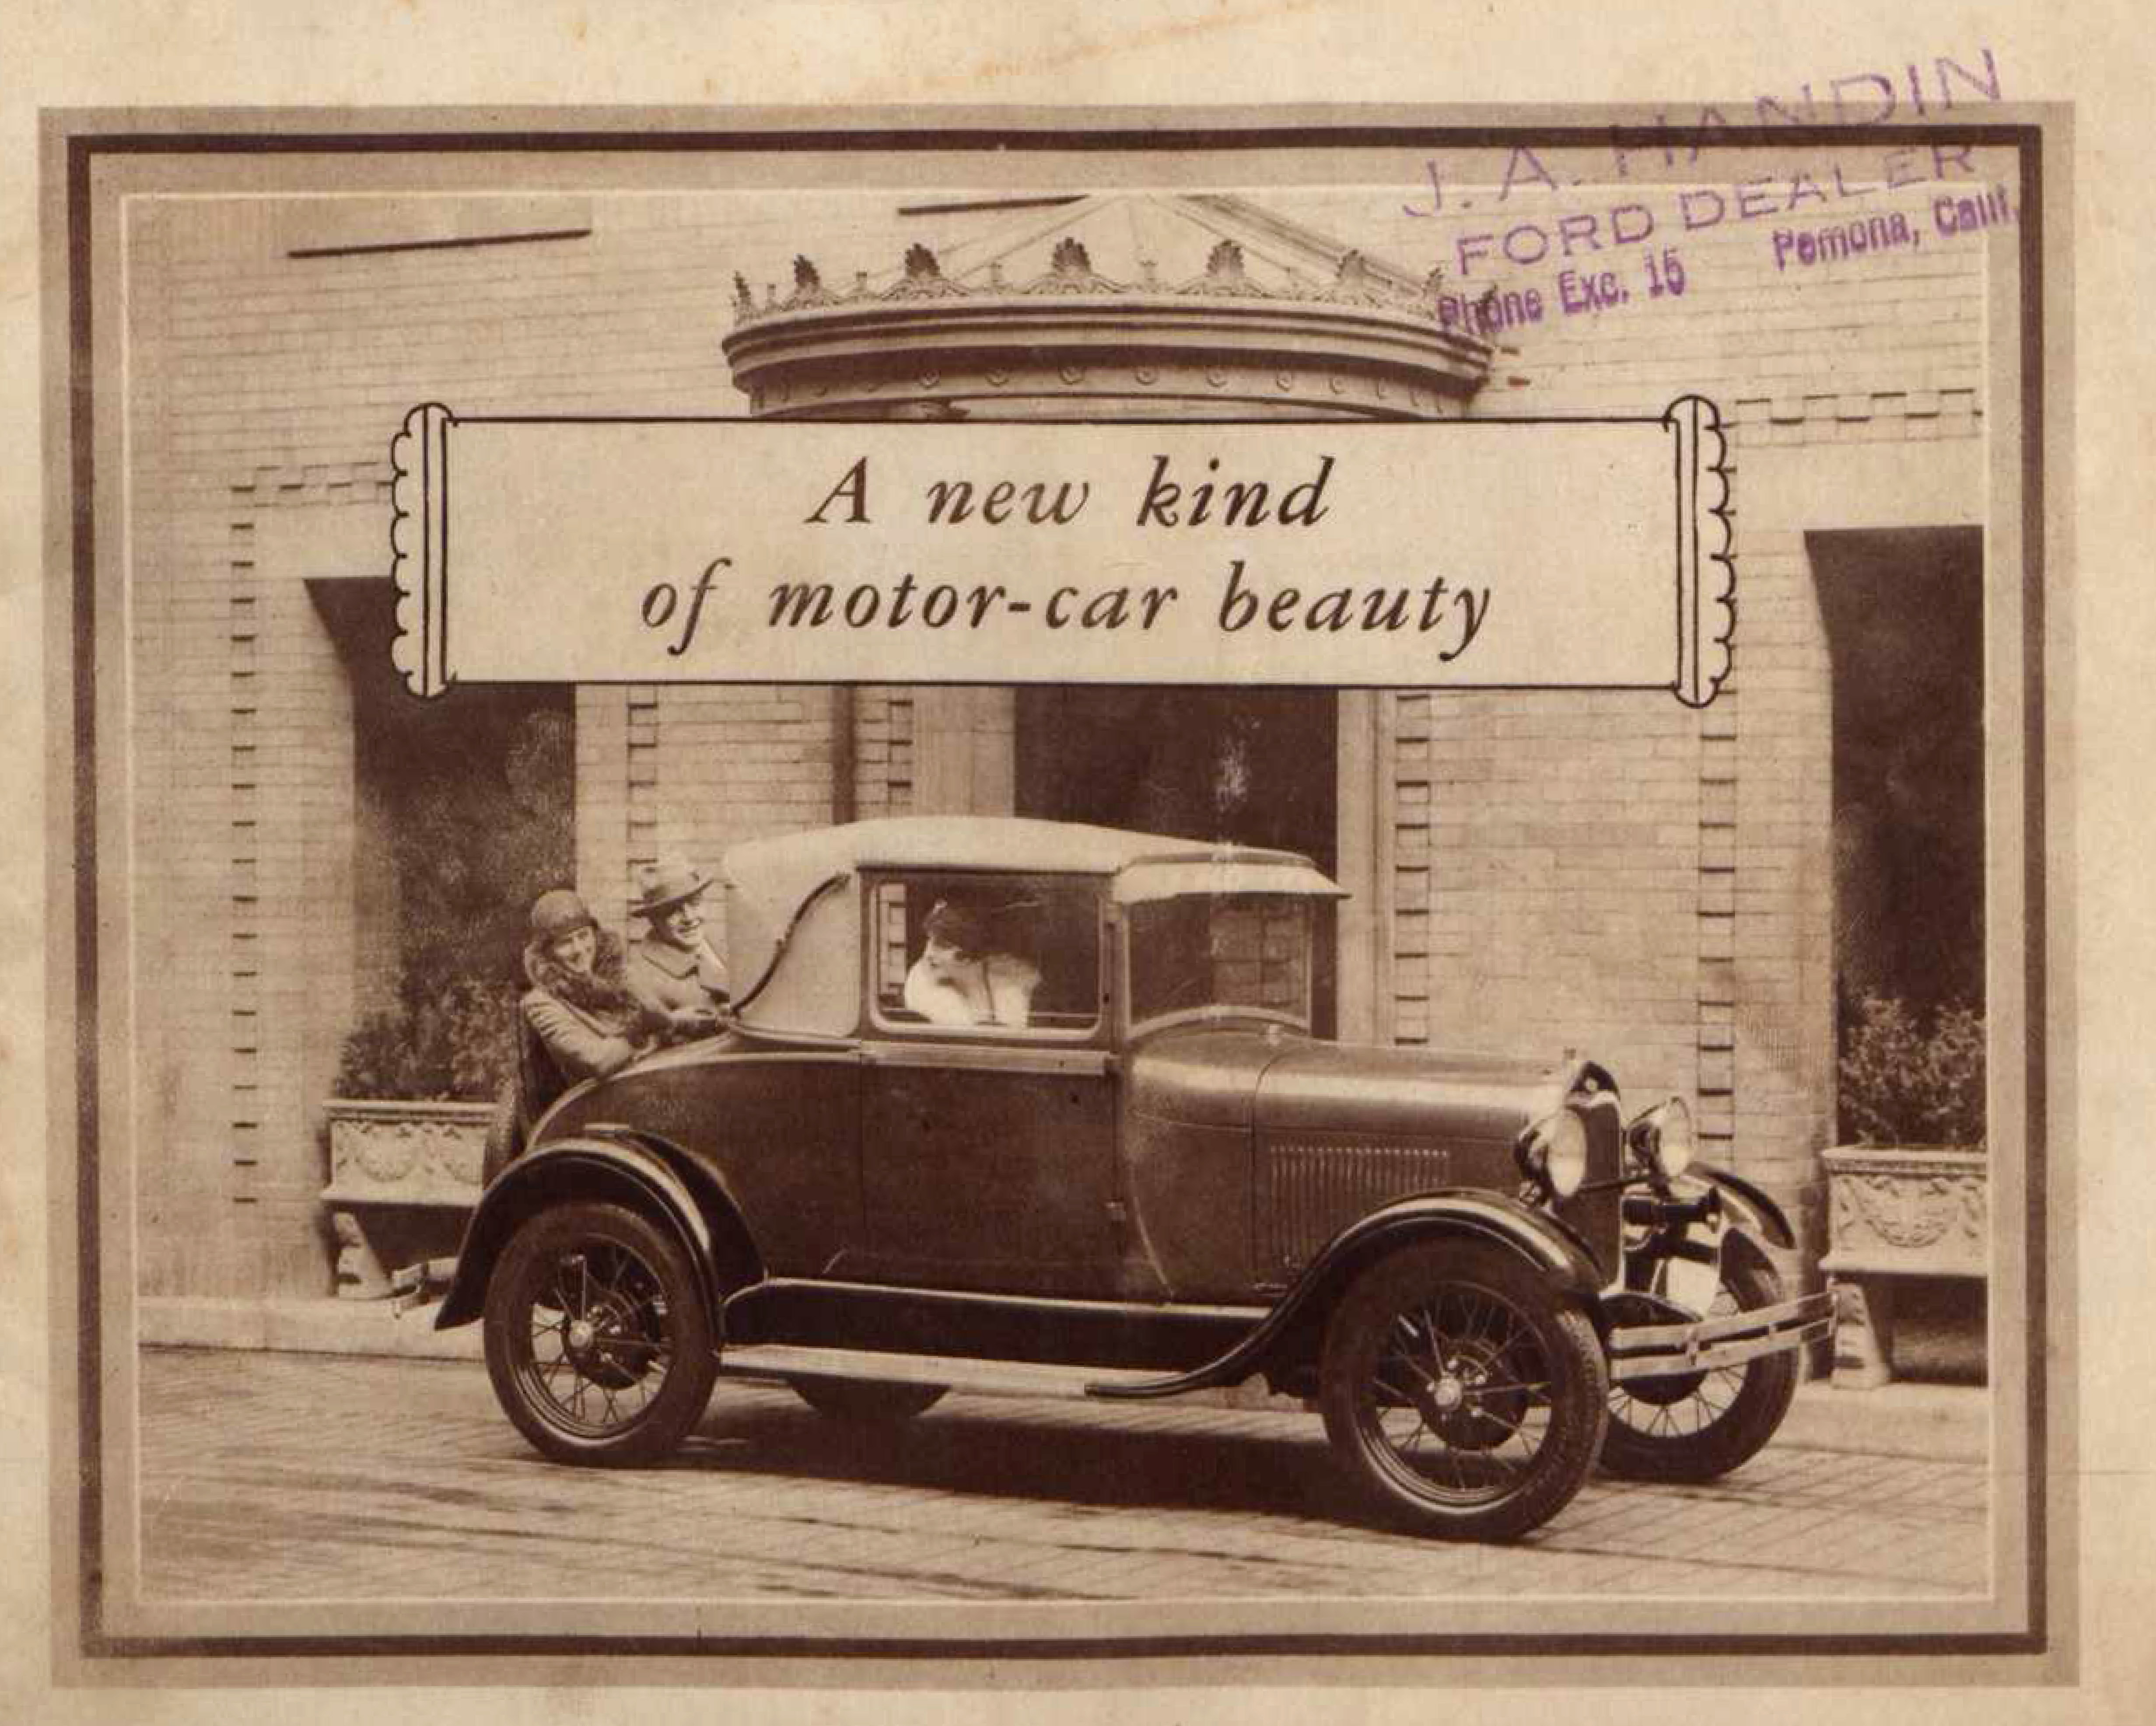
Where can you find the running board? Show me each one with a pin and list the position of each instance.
(980, 1378)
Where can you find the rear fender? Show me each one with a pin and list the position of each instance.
(1290, 1335)
(639, 1172)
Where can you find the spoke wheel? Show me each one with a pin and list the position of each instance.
(1698, 1425)
(597, 1338)
(864, 1401)
(1466, 1398)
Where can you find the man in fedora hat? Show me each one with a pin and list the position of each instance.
(673, 968)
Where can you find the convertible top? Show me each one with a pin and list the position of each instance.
(769, 883)
(981, 842)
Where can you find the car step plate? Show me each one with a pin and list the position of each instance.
(984, 1378)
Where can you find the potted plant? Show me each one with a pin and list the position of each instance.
(1907, 1199)
(407, 1126)
(478, 811)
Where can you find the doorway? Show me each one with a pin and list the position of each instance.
(462, 812)
(1904, 617)
(1250, 766)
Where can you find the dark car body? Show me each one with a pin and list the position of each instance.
(1158, 1176)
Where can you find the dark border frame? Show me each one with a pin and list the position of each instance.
(93, 1642)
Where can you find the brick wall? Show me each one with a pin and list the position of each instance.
(264, 389)
(1546, 877)
(1614, 872)
(1619, 872)
(701, 769)
(883, 750)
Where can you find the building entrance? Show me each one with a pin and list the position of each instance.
(1904, 617)
(1253, 766)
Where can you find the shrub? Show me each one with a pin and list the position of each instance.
(1908, 1082)
(457, 1045)
(479, 800)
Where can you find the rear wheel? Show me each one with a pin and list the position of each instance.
(598, 1340)
(1466, 1399)
(1698, 1425)
(865, 1400)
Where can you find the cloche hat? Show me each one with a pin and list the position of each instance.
(558, 913)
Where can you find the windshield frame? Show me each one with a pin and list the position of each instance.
(1124, 917)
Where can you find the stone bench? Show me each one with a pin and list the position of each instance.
(1896, 1214)
(403, 1178)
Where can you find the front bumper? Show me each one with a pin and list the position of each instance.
(1649, 1351)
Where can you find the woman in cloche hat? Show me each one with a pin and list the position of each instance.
(673, 968)
(591, 1022)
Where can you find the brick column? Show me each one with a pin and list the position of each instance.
(964, 740)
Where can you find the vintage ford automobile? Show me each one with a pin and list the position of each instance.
(1028, 1106)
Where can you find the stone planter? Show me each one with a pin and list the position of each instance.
(1896, 1213)
(403, 1178)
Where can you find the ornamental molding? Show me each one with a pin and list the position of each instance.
(1902, 1160)
(1071, 276)
(406, 1153)
(888, 380)
(1909, 1211)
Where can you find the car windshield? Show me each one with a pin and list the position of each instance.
(1211, 952)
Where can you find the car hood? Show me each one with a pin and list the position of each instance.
(1253, 1076)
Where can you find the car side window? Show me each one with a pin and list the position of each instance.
(994, 955)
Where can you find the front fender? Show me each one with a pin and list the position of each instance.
(614, 1167)
(1746, 1205)
(1290, 1329)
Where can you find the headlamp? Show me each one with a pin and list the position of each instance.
(1662, 1138)
(1553, 1151)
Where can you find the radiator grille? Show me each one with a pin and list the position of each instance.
(1596, 1211)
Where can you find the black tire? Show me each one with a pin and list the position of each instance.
(598, 1339)
(865, 1400)
(1698, 1425)
(1510, 1407)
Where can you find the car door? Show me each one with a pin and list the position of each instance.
(988, 1149)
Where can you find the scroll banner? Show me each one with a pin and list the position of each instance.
(1466, 554)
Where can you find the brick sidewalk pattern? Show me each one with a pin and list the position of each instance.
(292, 1477)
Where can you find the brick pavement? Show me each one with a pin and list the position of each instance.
(295, 1476)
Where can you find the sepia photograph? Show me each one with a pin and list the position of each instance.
(1039, 884)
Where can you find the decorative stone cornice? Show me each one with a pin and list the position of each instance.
(1070, 273)
(1362, 345)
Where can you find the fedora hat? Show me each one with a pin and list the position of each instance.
(665, 884)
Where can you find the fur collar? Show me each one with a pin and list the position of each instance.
(603, 991)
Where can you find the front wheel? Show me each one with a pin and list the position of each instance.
(598, 1339)
(1698, 1425)
(1466, 1398)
